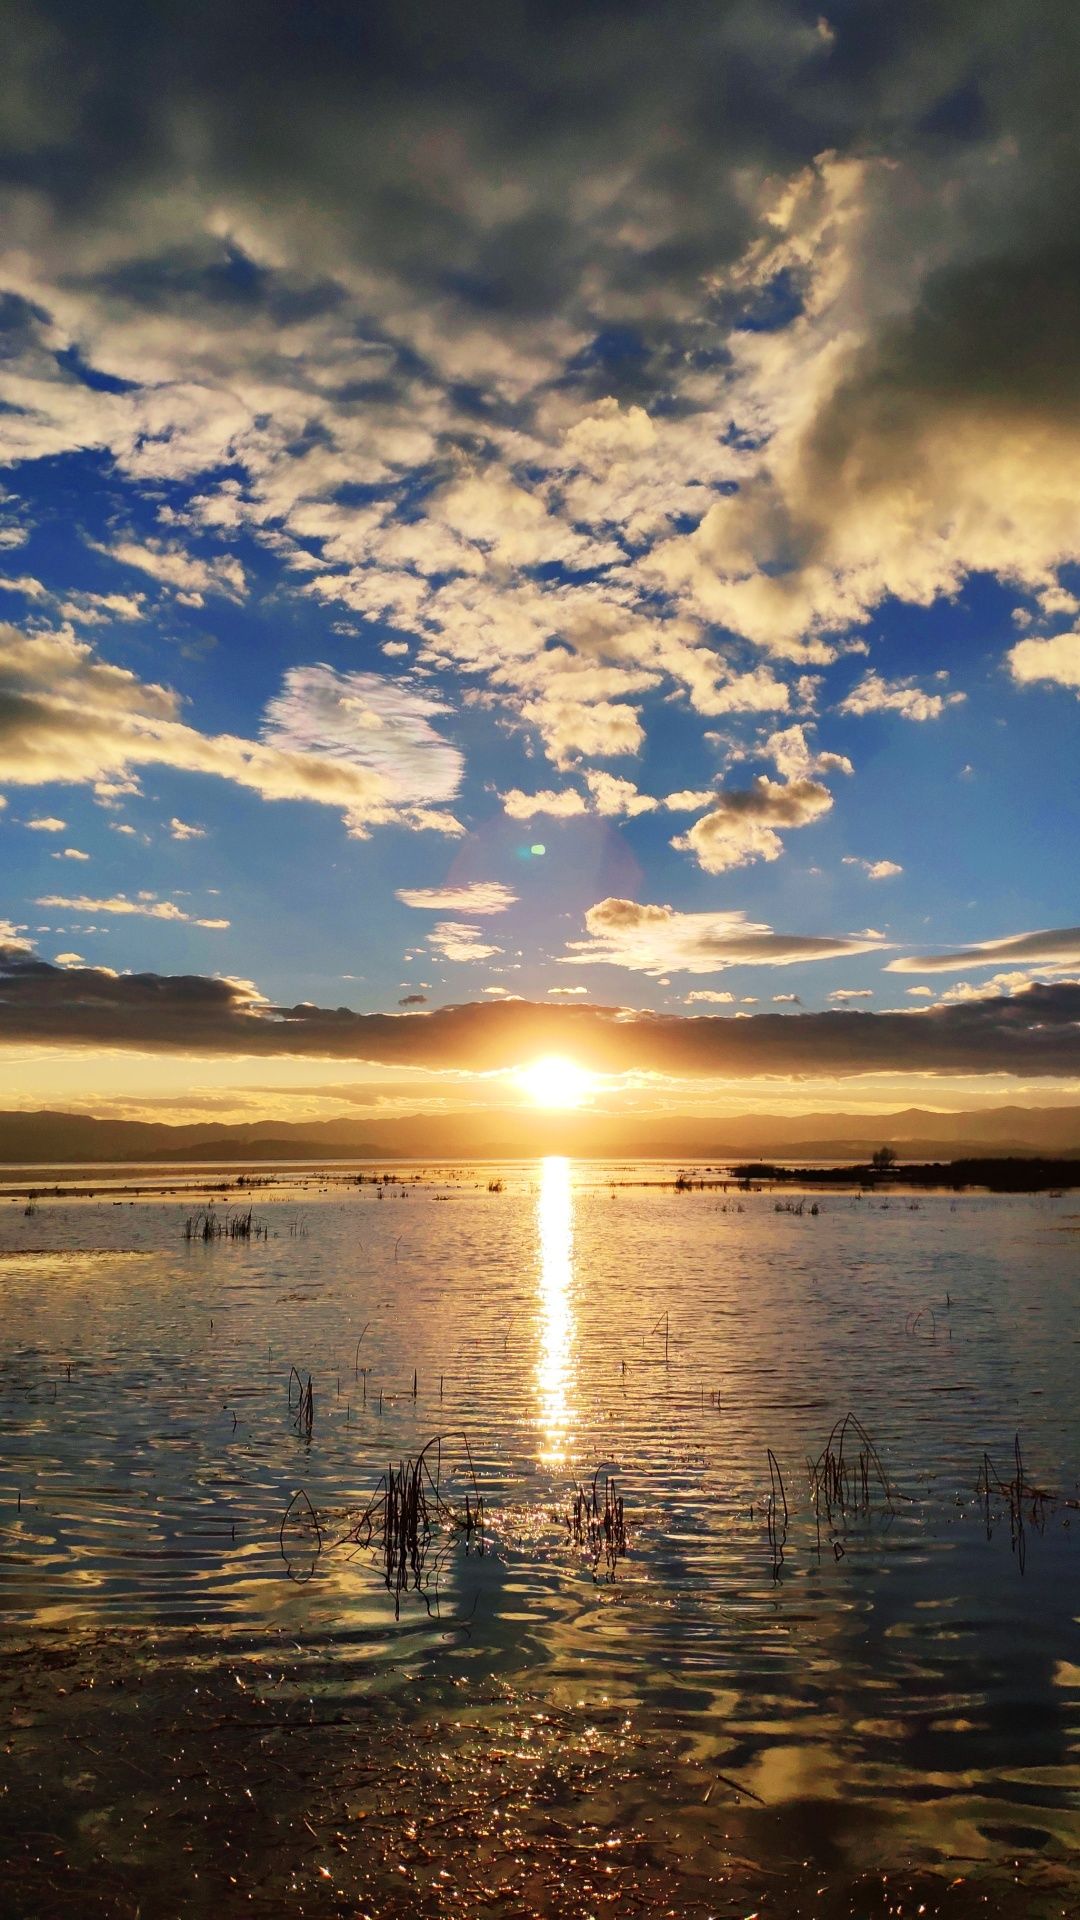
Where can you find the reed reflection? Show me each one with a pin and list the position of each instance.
(554, 1367)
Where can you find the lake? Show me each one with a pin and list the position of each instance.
(654, 1626)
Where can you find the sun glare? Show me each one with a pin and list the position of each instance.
(554, 1082)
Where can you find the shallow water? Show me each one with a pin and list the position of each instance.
(892, 1680)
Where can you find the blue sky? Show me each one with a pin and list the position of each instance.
(612, 488)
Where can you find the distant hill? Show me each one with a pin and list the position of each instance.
(915, 1134)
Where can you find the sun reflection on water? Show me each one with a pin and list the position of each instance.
(555, 1230)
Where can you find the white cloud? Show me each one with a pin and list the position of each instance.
(614, 796)
(24, 583)
(795, 759)
(46, 823)
(567, 992)
(188, 576)
(145, 907)
(561, 805)
(689, 799)
(478, 896)
(359, 741)
(71, 853)
(69, 960)
(905, 697)
(873, 869)
(457, 941)
(998, 986)
(659, 940)
(842, 994)
(709, 996)
(11, 935)
(184, 830)
(1056, 660)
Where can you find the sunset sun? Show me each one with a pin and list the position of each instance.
(556, 1082)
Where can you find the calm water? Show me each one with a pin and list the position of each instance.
(897, 1680)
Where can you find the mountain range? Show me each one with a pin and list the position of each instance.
(46, 1138)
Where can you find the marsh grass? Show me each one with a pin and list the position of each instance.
(776, 1515)
(848, 1478)
(598, 1528)
(411, 1521)
(1025, 1504)
(301, 1403)
(208, 1225)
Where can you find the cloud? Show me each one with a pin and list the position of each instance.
(795, 759)
(561, 805)
(46, 823)
(1054, 946)
(843, 994)
(658, 940)
(709, 996)
(413, 1000)
(613, 796)
(366, 720)
(71, 853)
(1017, 981)
(873, 869)
(875, 695)
(146, 907)
(479, 896)
(1032, 1033)
(1056, 660)
(184, 830)
(785, 312)
(455, 940)
(357, 741)
(563, 992)
(171, 566)
(663, 339)
(69, 960)
(743, 825)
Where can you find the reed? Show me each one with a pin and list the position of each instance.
(848, 1474)
(1024, 1501)
(776, 1514)
(599, 1529)
(301, 1402)
(207, 1225)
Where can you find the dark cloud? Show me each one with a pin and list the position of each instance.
(501, 156)
(1053, 947)
(1036, 1032)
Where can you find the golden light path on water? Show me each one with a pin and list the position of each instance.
(554, 1366)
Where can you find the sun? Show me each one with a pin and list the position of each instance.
(555, 1082)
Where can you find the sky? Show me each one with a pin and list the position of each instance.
(538, 531)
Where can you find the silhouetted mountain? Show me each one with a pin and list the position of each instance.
(59, 1138)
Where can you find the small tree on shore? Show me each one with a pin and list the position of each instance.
(883, 1160)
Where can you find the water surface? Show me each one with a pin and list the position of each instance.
(892, 1681)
